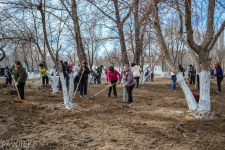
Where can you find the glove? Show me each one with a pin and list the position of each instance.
(118, 82)
(12, 76)
(16, 84)
(110, 85)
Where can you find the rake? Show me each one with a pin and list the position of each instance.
(77, 87)
(18, 100)
(35, 80)
(92, 97)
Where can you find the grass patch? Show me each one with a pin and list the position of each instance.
(212, 83)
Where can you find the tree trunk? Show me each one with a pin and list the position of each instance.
(80, 48)
(121, 34)
(192, 104)
(45, 32)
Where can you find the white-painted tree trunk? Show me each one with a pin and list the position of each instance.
(142, 77)
(66, 103)
(71, 88)
(192, 104)
(29, 76)
(54, 86)
(53, 81)
(89, 79)
(32, 75)
(68, 98)
(204, 101)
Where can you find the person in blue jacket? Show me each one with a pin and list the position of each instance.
(146, 74)
(219, 75)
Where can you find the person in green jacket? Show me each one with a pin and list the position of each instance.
(19, 73)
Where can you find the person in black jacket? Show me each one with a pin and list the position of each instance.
(84, 79)
(219, 75)
(192, 75)
(8, 76)
(182, 69)
(99, 71)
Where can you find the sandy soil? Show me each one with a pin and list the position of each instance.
(158, 119)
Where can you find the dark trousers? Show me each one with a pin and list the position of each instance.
(83, 86)
(8, 80)
(20, 87)
(114, 88)
(219, 80)
(44, 79)
(129, 92)
(152, 76)
(96, 79)
(192, 80)
(67, 80)
(137, 81)
(76, 80)
(198, 82)
(99, 79)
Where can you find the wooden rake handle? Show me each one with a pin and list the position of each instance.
(104, 89)
(78, 84)
(17, 89)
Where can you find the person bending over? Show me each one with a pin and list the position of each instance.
(43, 74)
(113, 77)
(19, 73)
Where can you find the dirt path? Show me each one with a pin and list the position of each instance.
(156, 120)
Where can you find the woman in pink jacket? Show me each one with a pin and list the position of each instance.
(113, 77)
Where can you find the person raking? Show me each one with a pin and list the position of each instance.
(113, 77)
(128, 78)
(19, 73)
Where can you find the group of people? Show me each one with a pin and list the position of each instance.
(192, 75)
(149, 74)
(129, 75)
(114, 77)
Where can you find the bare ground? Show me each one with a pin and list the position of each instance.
(158, 119)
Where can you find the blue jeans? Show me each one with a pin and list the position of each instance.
(174, 82)
(60, 85)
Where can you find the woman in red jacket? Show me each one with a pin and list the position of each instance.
(113, 77)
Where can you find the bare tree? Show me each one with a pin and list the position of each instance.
(203, 49)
